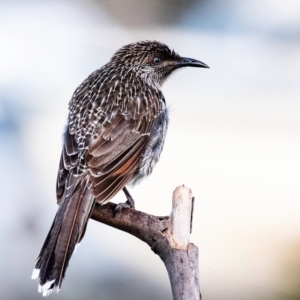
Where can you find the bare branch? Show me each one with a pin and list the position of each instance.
(167, 236)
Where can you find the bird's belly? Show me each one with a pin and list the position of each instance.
(153, 149)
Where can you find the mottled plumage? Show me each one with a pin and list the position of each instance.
(114, 136)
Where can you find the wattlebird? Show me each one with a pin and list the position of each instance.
(114, 136)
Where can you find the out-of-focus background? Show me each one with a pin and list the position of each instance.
(233, 139)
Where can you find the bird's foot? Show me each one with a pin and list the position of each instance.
(128, 204)
(121, 206)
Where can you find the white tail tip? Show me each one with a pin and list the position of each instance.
(35, 274)
(76, 247)
(46, 290)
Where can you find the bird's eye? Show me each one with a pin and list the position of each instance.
(157, 60)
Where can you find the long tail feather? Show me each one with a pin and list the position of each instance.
(67, 230)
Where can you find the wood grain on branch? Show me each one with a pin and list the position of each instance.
(167, 236)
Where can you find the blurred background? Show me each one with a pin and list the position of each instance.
(233, 139)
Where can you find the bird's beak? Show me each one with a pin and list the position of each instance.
(190, 62)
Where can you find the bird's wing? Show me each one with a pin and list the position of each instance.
(69, 162)
(114, 155)
(108, 127)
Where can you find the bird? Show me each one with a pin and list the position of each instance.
(115, 133)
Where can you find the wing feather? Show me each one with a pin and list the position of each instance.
(112, 160)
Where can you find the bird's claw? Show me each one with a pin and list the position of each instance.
(121, 206)
(128, 204)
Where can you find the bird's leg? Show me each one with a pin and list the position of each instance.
(129, 203)
(130, 200)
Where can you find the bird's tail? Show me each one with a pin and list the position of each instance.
(66, 231)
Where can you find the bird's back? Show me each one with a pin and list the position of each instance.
(115, 130)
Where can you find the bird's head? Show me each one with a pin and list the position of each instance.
(152, 61)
